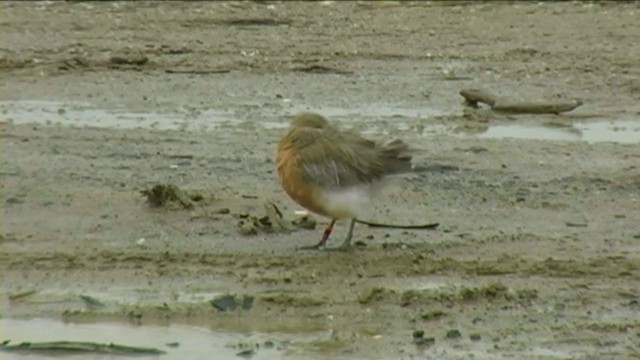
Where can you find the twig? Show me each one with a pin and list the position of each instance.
(197, 72)
(21, 295)
(430, 226)
(321, 69)
(91, 301)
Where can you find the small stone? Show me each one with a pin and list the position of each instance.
(453, 334)
(432, 315)
(14, 200)
(247, 302)
(247, 354)
(305, 222)
(248, 228)
(425, 341)
(129, 59)
(224, 303)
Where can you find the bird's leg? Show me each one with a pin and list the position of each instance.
(347, 241)
(323, 240)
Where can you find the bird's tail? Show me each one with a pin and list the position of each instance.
(397, 157)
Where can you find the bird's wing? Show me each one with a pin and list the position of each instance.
(335, 160)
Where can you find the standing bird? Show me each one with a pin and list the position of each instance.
(333, 173)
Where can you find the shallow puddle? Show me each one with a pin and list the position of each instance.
(178, 341)
(621, 131)
(625, 130)
(83, 114)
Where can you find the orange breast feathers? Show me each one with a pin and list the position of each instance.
(293, 180)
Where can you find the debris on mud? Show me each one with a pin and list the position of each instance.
(374, 294)
(273, 222)
(224, 303)
(491, 291)
(256, 21)
(453, 334)
(249, 349)
(420, 340)
(128, 59)
(229, 302)
(92, 302)
(305, 222)
(78, 347)
(487, 291)
(432, 315)
(292, 300)
(198, 71)
(322, 69)
(474, 96)
(428, 226)
(21, 295)
(160, 195)
(247, 354)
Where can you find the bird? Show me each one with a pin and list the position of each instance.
(334, 173)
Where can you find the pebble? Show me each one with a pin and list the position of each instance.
(453, 334)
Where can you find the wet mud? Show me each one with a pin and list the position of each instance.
(140, 203)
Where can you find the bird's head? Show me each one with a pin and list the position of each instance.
(310, 120)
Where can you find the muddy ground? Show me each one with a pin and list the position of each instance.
(537, 252)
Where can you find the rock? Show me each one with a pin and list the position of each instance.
(247, 354)
(305, 222)
(14, 200)
(420, 340)
(225, 303)
(453, 334)
(160, 194)
(248, 228)
(247, 302)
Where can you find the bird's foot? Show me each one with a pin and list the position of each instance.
(320, 245)
(343, 247)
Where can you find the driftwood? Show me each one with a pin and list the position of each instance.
(79, 347)
(474, 96)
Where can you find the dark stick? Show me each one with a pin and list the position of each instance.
(393, 226)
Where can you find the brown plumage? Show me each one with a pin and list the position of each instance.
(329, 171)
